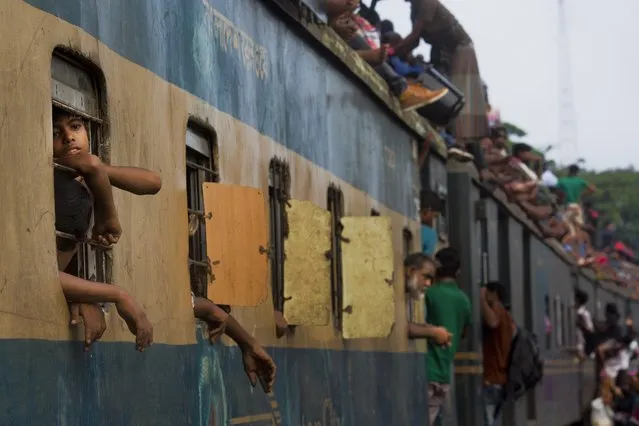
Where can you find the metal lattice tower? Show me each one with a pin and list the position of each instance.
(567, 132)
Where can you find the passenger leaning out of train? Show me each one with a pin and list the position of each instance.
(258, 365)
(585, 326)
(419, 271)
(77, 199)
(497, 337)
(446, 306)
(614, 344)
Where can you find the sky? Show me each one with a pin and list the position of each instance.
(518, 47)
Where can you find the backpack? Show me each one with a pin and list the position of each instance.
(525, 366)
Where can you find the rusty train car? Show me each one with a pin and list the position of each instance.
(289, 193)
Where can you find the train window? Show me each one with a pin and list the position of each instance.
(77, 88)
(368, 291)
(335, 204)
(200, 168)
(407, 240)
(307, 266)
(549, 321)
(236, 237)
(558, 322)
(279, 194)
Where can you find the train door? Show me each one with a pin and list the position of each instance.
(465, 236)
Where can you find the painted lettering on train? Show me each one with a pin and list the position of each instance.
(230, 38)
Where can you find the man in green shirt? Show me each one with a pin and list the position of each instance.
(573, 187)
(449, 307)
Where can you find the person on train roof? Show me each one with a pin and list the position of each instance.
(364, 39)
(453, 54)
(419, 274)
(81, 194)
(574, 187)
(497, 337)
(446, 306)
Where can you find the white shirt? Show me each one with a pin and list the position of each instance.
(587, 321)
(612, 366)
(601, 415)
(549, 179)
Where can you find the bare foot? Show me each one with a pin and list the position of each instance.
(137, 321)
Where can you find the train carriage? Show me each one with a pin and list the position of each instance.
(290, 183)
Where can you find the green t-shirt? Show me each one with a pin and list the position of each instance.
(447, 306)
(573, 187)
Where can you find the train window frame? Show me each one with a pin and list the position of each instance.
(558, 322)
(79, 87)
(279, 192)
(335, 204)
(201, 166)
(408, 241)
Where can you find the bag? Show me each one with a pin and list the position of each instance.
(525, 366)
(447, 108)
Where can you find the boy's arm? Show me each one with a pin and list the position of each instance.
(135, 180)
(82, 291)
(107, 228)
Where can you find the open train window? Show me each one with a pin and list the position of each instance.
(335, 204)
(407, 242)
(279, 191)
(77, 88)
(200, 168)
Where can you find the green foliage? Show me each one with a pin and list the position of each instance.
(618, 199)
(513, 130)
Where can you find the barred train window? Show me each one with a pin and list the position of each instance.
(279, 191)
(335, 203)
(200, 168)
(78, 90)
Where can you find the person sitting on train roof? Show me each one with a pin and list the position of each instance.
(362, 37)
(419, 273)
(497, 337)
(446, 306)
(453, 54)
(258, 365)
(74, 205)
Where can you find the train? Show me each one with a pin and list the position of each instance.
(290, 183)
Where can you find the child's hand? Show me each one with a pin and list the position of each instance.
(106, 231)
(83, 162)
(136, 320)
(92, 317)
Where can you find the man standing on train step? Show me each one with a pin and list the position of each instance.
(449, 307)
(499, 330)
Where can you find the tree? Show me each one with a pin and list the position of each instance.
(513, 130)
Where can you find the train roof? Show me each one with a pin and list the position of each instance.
(306, 18)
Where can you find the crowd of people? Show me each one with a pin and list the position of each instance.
(554, 201)
(557, 205)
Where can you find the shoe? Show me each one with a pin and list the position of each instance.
(416, 96)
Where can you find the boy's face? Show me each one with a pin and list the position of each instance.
(427, 216)
(69, 136)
